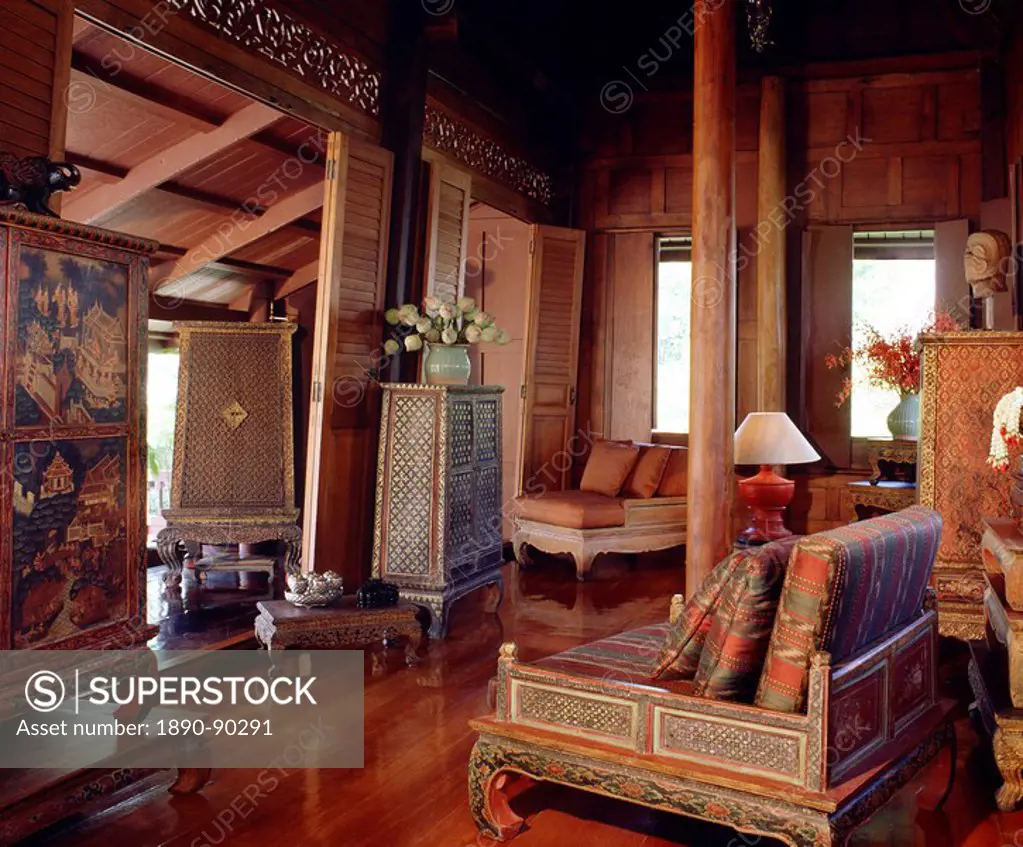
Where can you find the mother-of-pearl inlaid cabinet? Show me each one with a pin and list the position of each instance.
(437, 533)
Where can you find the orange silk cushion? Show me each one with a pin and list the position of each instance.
(609, 465)
(571, 509)
(676, 474)
(647, 473)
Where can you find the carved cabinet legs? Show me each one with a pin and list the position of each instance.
(438, 603)
(1008, 750)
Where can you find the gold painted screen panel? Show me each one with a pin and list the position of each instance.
(964, 376)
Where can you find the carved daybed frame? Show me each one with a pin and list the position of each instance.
(657, 523)
(871, 724)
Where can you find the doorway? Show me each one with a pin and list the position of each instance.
(231, 189)
(497, 271)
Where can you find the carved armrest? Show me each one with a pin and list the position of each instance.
(678, 605)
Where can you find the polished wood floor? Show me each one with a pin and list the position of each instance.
(413, 789)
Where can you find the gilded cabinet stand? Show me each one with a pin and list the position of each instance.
(437, 532)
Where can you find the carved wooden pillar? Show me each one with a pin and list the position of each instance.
(771, 307)
(712, 387)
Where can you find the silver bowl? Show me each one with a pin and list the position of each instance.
(314, 599)
(312, 590)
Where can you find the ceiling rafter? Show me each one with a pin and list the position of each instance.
(159, 100)
(169, 163)
(300, 228)
(215, 247)
(305, 275)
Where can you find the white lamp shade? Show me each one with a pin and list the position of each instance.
(770, 438)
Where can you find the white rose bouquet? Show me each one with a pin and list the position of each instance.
(442, 322)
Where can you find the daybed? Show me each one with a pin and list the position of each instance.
(634, 503)
(845, 710)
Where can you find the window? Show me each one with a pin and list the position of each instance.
(671, 368)
(893, 289)
(161, 399)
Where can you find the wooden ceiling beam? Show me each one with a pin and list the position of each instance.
(168, 163)
(306, 275)
(301, 228)
(173, 309)
(255, 270)
(117, 82)
(169, 104)
(223, 243)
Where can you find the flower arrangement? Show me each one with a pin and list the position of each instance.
(442, 322)
(1005, 429)
(892, 361)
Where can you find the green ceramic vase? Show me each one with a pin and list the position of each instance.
(904, 420)
(447, 364)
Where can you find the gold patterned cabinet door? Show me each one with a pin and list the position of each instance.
(964, 374)
(234, 469)
(437, 533)
(72, 435)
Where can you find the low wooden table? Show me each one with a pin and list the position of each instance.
(280, 625)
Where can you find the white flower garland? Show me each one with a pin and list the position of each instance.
(1005, 432)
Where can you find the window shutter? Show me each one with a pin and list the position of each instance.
(450, 192)
(826, 327)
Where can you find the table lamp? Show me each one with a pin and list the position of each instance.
(768, 439)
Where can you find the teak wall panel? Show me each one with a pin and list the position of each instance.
(920, 166)
(33, 76)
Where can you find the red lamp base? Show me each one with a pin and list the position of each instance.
(768, 495)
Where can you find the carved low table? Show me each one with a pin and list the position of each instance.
(281, 626)
(892, 459)
(893, 484)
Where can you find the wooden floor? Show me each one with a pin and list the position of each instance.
(413, 788)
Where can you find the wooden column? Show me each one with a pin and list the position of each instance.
(712, 386)
(402, 116)
(771, 308)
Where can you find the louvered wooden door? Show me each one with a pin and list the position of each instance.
(552, 357)
(345, 406)
(449, 232)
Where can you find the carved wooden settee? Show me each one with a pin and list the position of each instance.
(585, 524)
(866, 719)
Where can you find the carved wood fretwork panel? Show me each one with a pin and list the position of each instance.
(484, 155)
(258, 26)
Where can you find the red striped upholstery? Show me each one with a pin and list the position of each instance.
(626, 657)
(740, 630)
(844, 590)
(684, 644)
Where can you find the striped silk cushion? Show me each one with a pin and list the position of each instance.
(681, 654)
(844, 590)
(740, 631)
(625, 657)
